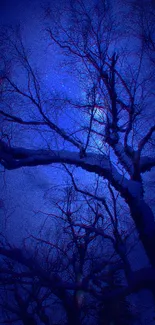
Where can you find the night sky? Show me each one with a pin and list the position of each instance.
(27, 193)
(28, 184)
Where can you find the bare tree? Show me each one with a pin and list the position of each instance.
(73, 271)
(113, 130)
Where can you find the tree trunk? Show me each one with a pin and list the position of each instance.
(145, 224)
(73, 317)
(72, 312)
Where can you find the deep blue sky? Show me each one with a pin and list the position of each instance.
(14, 10)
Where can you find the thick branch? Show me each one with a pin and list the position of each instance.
(139, 280)
(124, 158)
(14, 158)
(146, 164)
(145, 139)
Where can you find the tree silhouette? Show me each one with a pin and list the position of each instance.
(106, 130)
(76, 274)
